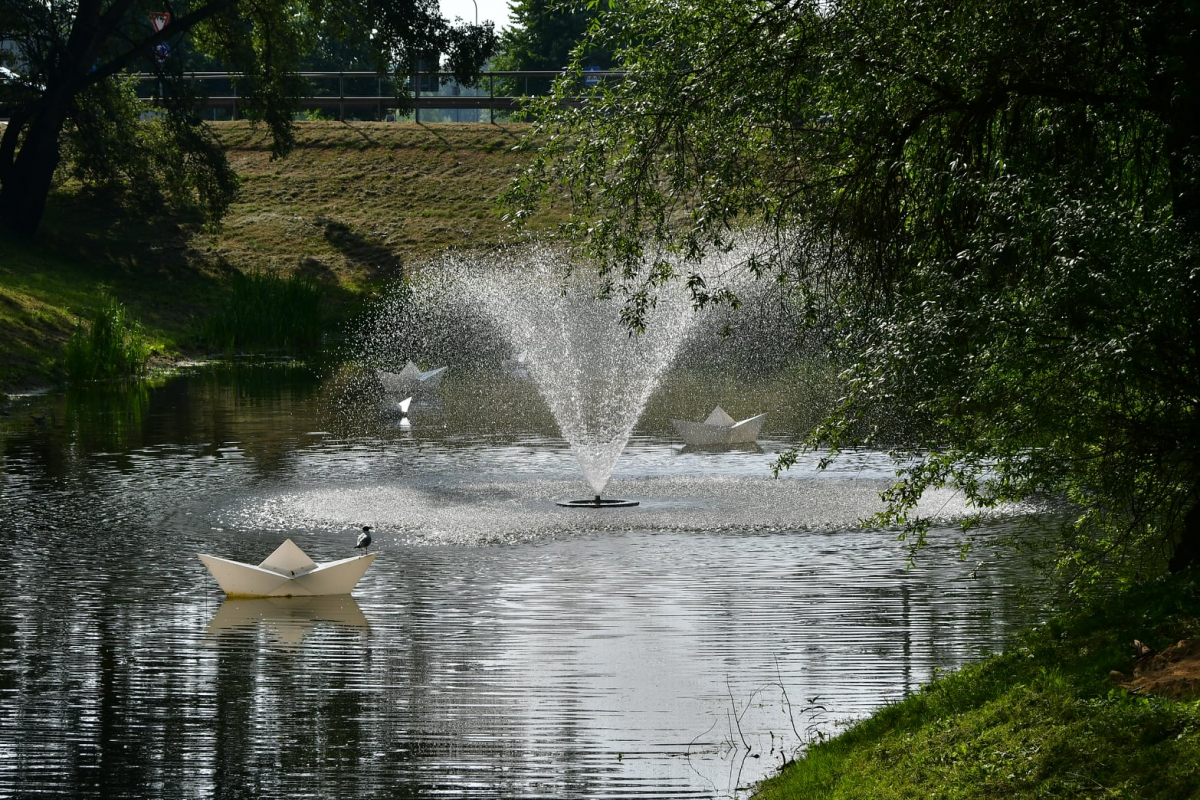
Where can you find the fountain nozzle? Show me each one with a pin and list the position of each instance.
(597, 502)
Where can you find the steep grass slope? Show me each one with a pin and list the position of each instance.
(355, 205)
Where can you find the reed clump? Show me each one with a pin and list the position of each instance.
(111, 345)
(265, 312)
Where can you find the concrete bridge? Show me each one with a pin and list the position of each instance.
(370, 96)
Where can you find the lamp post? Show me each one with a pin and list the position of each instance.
(477, 24)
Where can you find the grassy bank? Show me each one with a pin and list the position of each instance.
(354, 206)
(1051, 717)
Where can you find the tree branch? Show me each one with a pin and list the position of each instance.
(144, 47)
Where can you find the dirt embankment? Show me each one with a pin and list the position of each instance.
(1173, 672)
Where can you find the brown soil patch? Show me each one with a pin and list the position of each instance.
(1174, 673)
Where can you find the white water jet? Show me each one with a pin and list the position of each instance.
(595, 375)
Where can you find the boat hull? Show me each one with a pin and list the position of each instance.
(703, 434)
(246, 580)
(410, 380)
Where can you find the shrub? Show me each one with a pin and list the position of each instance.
(266, 312)
(109, 346)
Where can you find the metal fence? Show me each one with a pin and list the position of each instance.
(368, 95)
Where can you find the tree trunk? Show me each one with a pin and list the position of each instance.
(27, 182)
(28, 178)
(1187, 550)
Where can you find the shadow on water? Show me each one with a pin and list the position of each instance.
(498, 647)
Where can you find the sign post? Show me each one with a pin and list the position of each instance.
(159, 20)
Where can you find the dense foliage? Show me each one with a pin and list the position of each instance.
(542, 37)
(995, 207)
(67, 61)
(263, 311)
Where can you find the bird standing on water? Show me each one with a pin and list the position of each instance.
(364, 538)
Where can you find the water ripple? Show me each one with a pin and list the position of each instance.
(500, 646)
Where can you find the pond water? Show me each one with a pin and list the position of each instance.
(499, 646)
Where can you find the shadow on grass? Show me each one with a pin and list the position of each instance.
(361, 132)
(148, 259)
(379, 261)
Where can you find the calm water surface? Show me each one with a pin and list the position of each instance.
(500, 646)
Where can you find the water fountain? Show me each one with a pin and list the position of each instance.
(594, 374)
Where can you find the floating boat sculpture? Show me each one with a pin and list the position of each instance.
(719, 429)
(410, 380)
(287, 572)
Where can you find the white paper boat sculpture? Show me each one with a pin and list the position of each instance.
(410, 380)
(288, 572)
(719, 429)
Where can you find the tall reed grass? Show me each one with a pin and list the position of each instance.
(264, 312)
(109, 346)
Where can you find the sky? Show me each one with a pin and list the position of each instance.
(495, 10)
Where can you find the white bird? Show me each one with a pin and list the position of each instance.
(364, 538)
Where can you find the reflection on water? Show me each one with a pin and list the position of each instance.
(589, 656)
(287, 619)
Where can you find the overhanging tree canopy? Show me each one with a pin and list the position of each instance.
(71, 55)
(1008, 196)
(542, 36)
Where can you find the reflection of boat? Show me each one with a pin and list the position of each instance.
(516, 365)
(410, 380)
(737, 447)
(287, 572)
(289, 618)
(719, 429)
(390, 408)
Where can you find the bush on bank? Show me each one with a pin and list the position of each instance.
(108, 346)
(266, 312)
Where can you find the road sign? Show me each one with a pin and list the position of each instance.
(159, 20)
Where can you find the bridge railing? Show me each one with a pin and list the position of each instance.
(359, 95)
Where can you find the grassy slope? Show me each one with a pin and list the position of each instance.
(1042, 720)
(355, 204)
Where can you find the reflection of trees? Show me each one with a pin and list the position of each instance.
(107, 417)
(472, 663)
(284, 717)
(477, 657)
(263, 411)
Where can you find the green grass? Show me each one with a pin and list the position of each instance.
(1042, 720)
